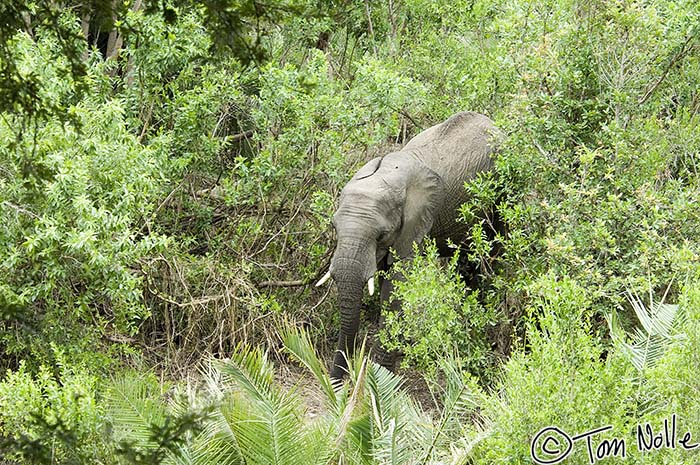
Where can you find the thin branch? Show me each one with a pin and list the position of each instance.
(20, 209)
(415, 123)
(369, 25)
(681, 53)
(318, 304)
(278, 233)
(241, 136)
(542, 151)
(146, 123)
(164, 202)
(294, 283)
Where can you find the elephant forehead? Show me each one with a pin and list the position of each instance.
(375, 191)
(365, 188)
(374, 204)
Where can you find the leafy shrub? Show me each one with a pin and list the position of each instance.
(592, 182)
(150, 422)
(669, 385)
(438, 315)
(73, 202)
(269, 219)
(72, 417)
(561, 378)
(51, 418)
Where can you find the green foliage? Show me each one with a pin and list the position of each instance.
(654, 337)
(562, 379)
(147, 429)
(438, 316)
(238, 29)
(51, 418)
(23, 90)
(371, 418)
(594, 181)
(670, 383)
(174, 200)
(72, 202)
(265, 421)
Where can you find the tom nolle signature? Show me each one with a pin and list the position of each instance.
(552, 445)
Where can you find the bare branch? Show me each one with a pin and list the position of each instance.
(681, 53)
(241, 136)
(368, 11)
(295, 283)
(20, 209)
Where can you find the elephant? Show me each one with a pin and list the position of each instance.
(397, 200)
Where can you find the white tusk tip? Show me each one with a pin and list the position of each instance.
(325, 278)
(370, 285)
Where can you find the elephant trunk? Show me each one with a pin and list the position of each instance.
(352, 267)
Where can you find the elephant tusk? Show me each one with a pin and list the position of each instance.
(370, 285)
(325, 278)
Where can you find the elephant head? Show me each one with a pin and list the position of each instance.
(389, 204)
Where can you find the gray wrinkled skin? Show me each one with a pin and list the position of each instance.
(396, 200)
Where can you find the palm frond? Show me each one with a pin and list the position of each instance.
(658, 331)
(217, 444)
(250, 370)
(658, 321)
(147, 428)
(461, 397)
(384, 389)
(349, 407)
(266, 424)
(357, 445)
(298, 344)
(134, 407)
(460, 400)
(399, 429)
(389, 445)
(461, 449)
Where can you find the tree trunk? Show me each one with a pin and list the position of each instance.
(322, 41)
(129, 64)
(85, 28)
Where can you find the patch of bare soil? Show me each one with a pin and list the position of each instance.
(291, 376)
(416, 386)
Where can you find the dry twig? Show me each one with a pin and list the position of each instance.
(677, 57)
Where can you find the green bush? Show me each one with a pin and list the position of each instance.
(76, 203)
(439, 315)
(562, 378)
(51, 417)
(669, 385)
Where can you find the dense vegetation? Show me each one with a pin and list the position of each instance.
(167, 176)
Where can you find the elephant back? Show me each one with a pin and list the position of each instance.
(456, 150)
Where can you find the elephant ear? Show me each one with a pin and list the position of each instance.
(424, 191)
(368, 169)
